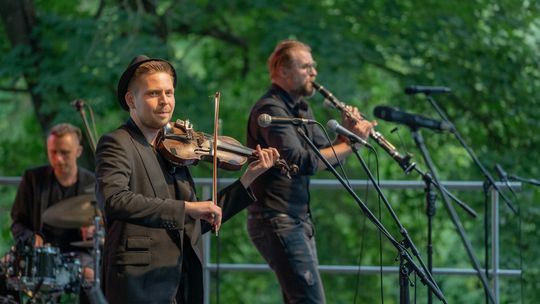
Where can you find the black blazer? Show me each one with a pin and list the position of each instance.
(145, 225)
(33, 198)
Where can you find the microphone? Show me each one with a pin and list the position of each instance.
(336, 127)
(502, 174)
(78, 104)
(426, 90)
(414, 121)
(265, 120)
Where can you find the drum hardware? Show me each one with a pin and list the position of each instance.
(86, 244)
(44, 273)
(73, 212)
(41, 272)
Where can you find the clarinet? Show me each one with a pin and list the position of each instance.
(403, 161)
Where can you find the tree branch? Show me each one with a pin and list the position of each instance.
(100, 9)
(14, 90)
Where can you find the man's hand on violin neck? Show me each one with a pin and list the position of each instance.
(204, 210)
(266, 159)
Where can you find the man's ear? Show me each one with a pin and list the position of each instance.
(79, 151)
(283, 72)
(130, 99)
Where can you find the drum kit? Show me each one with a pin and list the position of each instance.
(44, 274)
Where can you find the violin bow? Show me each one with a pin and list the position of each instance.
(214, 151)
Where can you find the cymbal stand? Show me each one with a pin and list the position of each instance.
(96, 252)
(95, 295)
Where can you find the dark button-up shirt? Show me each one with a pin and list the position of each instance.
(274, 191)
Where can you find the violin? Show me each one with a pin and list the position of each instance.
(179, 144)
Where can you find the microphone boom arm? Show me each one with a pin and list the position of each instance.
(472, 155)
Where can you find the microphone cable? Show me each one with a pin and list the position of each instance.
(360, 256)
(363, 228)
(363, 233)
(338, 164)
(520, 246)
(380, 234)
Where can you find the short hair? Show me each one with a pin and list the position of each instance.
(281, 56)
(62, 129)
(151, 67)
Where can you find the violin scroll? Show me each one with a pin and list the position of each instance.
(285, 169)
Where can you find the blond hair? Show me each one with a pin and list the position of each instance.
(282, 55)
(150, 67)
(62, 129)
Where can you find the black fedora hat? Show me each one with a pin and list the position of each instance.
(128, 74)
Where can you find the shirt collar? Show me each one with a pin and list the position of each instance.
(295, 105)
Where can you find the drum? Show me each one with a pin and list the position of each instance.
(7, 296)
(43, 269)
(7, 300)
(69, 274)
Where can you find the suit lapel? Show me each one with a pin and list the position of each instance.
(149, 161)
(45, 190)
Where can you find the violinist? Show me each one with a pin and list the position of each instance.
(154, 221)
(279, 223)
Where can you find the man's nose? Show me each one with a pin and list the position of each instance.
(163, 98)
(59, 158)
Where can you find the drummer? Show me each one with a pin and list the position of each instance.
(44, 186)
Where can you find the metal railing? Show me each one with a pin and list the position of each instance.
(495, 271)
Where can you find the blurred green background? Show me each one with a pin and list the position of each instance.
(53, 52)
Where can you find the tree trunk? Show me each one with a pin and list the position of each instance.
(18, 17)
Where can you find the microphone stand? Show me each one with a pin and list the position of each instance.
(490, 182)
(407, 242)
(431, 197)
(530, 181)
(471, 153)
(427, 178)
(430, 208)
(451, 211)
(406, 261)
(79, 105)
(533, 182)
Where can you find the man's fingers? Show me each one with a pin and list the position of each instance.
(267, 156)
(217, 222)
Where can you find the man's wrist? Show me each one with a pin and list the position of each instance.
(343, 139)
(355, 145)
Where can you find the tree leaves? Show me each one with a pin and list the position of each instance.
(367, 52)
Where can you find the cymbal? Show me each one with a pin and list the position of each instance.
(86, 244)
(73, 212)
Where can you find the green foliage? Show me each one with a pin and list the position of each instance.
(367, 51)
